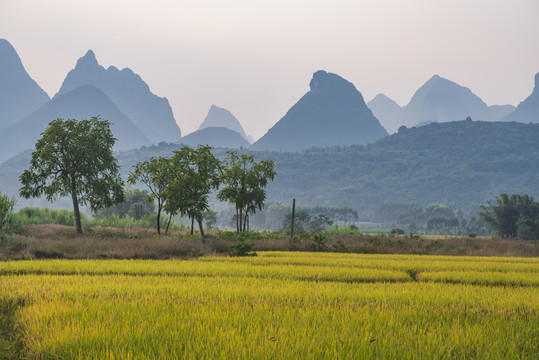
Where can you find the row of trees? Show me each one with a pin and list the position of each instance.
(182, 183)
(74, 158)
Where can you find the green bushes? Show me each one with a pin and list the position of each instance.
(6, 210)
(38, 216)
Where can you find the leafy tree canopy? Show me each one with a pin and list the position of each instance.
(75, 158)
(193, 174)
(512, 216)
(245, 185)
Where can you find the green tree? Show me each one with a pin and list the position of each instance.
(245, 185)
(137, 204)
(155, 175)
(75, 158)
(196, 172)
(302, 218)
(508, 213)
(6, 210)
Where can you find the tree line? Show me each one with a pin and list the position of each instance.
(74, 158)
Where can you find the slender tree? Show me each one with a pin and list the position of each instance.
(75, 158)
(245, 185)
(155, 174)
(196, 174)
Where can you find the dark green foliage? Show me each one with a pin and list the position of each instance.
(512, 216)
(193, 174)
(210, 218)
(303, 222)
(6, 210)
(243, 246)
(245, 185)
(34, 216)
(319, 242)
(137, 205)
(319, 223)
(460, 163)
(153, 173)
(74, 158)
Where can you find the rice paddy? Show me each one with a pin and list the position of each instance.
(278, 305)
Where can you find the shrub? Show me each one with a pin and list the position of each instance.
(6, 210)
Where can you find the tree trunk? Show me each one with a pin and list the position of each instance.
(159, 217)
(76, 207)
(241, 219)
(168, 223)
(199, 220)
(237, 221)
(192, 224)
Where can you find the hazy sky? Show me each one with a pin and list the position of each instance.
(256, 57)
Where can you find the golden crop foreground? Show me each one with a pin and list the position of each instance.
(348, 306)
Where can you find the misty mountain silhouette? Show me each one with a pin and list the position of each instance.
(20, 95)
(215, 137)
(332, 113)
(387, 111)
(528, 110)
(150, 113)
(81, 103)
(498, 112)
(441, 100)
(220, 117)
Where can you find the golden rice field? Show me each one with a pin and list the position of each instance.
(277, 305)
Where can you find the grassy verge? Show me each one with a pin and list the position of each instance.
(100, 242)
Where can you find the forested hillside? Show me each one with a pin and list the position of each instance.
(461, 164)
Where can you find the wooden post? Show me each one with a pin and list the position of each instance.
(293, 215)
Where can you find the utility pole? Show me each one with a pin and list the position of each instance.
(293, 215)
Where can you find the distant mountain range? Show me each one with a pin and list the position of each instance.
(438, 100)
(387, 111)
(138, 117)
(216, 137)
(528, 110)
(149, 112)
(20, 95)
(220, 117)
(332, 113)
(82, 102)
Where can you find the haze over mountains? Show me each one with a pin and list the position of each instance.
(528, 110)
(19, 93)
(387, 111)
(466, 162)
(80, 103)
(215, 137)
(438, 100)
(460, 163)
(221, 117)
(332, 113)
(88, 90)
(149, 112)
(219, 129)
